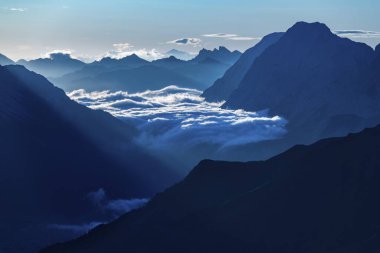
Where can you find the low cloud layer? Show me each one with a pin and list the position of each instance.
(174, 117)
(357, 33)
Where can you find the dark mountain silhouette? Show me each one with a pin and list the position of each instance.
(5, 60)
(316, 80)
(318, 198)
(223, 87)
(135, 74)
(58, 64)
(53, 153)
(221, 54)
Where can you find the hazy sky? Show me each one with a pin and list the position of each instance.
(94, 28)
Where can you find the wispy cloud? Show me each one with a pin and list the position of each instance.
(186, 41)
(16, 9)
(220, 35)
(357, 33)
(240, 38)
(230, 36)
(77, 229)
(121, 50)
(117, 207)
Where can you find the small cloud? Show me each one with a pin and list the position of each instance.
(116, 207)
(122, 46)
(77, 229)
(357, 33)
(244, 38)
(121, 206)
(230, 36)
(220, 35)
(186, 41)
(122, 50)
(16, 9)
(51, 53)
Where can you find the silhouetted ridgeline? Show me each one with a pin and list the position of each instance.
(134, 74)
(321, 197)
(324, 85)
(53, 153)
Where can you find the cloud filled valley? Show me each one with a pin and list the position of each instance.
(178, 121)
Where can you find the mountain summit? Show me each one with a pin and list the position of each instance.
(314, 79)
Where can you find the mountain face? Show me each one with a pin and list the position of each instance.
(318, 198)
(314, 79)
(223, 87)
(53, 154)
(58, 64)
(135, 74)
(5, 60)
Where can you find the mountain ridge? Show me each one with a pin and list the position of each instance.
(278, 205)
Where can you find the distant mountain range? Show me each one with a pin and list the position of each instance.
(58, 64)
(324, 85)
(318, 198)
(53, 153)
(132, 73)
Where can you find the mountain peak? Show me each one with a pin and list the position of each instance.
(60, 56)
(223, 49)
(304, 29)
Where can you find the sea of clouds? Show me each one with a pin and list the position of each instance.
(173, 118)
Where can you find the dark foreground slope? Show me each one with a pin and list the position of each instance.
(318, 198)
(53, 153)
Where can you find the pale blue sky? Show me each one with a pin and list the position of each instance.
(89, 28)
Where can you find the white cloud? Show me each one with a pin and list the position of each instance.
(99, 200)
(220, 35)
(16, 9)
(230, 36)
(239, 38)
(357, 33)
(173, 118)
(122, 50)
(186, 41)
(122, 46)
(116, 207)
(58, 51)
